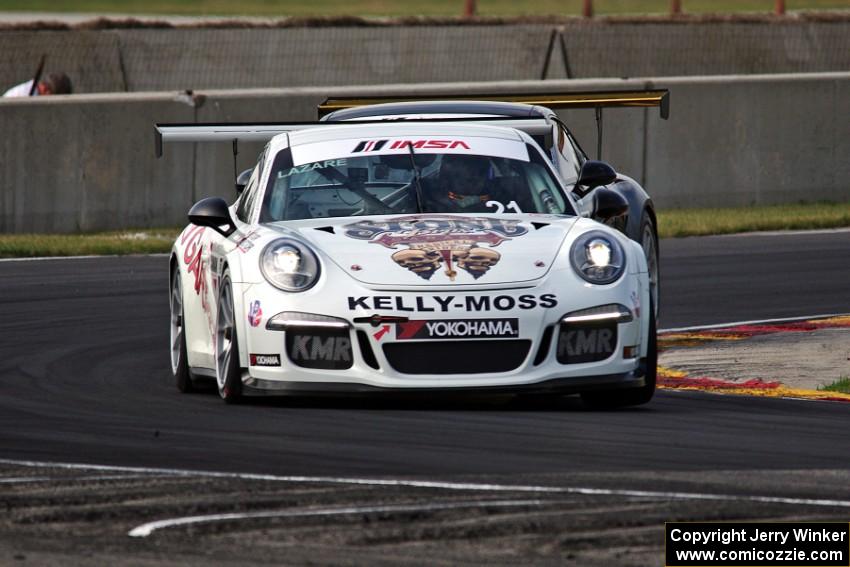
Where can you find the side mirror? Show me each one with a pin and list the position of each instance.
(242, 180)
(608, 204)
(212, 212)
(594, 174)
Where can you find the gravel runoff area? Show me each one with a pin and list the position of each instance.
(68, 517)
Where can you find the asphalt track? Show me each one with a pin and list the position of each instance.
(84, 378)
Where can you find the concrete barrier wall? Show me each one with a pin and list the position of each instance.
(86, 163)
(664, 49)
(216, 59)
(751, 140)
(71, 164)
(176, 59)
(116, 60)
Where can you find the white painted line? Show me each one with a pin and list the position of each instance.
(279, 478)
(40, 258)
(22, 479)
(147, 529)
(780, 233)
(108, 477)
(470, 486)
(754, 322)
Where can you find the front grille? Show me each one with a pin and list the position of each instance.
(591, 341)
(456, 357)
(326, 349)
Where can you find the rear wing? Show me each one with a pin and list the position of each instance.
(592, 99)
(532, 125)
(265, 131)
(596, 100)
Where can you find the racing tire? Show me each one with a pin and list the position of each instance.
(228, 374)
(649, 243)
(179, 358)
(633, 396)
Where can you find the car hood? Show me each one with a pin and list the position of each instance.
(437, 249)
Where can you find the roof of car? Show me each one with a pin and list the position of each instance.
(473, 107)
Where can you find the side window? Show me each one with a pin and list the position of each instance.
(570, 160)
(249, 196)
(246, 201)
(582, 157)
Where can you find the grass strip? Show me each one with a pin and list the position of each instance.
(671, 223)
(702, 222)
(100, 244)
(841, 385)
(330, 8)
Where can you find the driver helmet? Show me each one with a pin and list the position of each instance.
(465, 179)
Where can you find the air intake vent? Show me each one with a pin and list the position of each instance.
(545, 343)
(366, 350)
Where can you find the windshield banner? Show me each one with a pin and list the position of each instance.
(444, 144)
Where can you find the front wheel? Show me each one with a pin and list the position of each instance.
(227, 372)
(649, 243)
(632, 396)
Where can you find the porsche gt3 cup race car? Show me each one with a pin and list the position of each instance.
(409, 256)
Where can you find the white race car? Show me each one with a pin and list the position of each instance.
(409, 256)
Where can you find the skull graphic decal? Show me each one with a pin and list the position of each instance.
(437, 242)
(421, 262)
(477, 261)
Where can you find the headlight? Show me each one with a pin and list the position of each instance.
(289, 265)
(598, 258)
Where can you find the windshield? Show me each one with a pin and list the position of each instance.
(398, 183)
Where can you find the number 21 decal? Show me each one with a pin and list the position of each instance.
(501, 208)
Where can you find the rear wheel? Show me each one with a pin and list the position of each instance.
(227, 372)
(632, 396)
(179, 363)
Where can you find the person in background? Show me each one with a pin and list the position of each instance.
(53, 84)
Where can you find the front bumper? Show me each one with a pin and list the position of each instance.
(537, 370)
